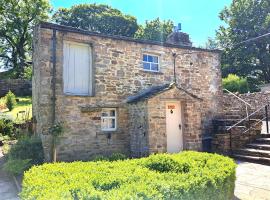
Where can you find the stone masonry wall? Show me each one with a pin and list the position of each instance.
(191, 116)
(256, 99)
(138, 129)
(148, 123)
(118, 74)
(19, 87)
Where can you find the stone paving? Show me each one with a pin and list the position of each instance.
(8, 189)
(252, 182)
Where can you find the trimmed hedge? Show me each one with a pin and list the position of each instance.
(187, 176)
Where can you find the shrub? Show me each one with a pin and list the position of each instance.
(206, 176)
(27, 148)
(10, 100)
(235, 83)
(17, 167)
(7, 127)
(113, 157)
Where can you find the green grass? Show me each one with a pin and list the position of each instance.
(22, 111)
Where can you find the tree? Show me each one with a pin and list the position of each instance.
(235, 83)
(155, 30)
(17, 18)
(246, 19)
(97, 18)
(211, 43)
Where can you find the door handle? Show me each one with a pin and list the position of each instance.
(180, 126)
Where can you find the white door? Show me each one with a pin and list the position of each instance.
(174, 127)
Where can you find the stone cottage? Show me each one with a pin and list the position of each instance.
(118, 94)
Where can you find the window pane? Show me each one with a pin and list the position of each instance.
(144, 57)
(154, 67)
(155, 59)
(146, 66)
(104, 114)
(112, 123)
(112, 113)
(150, 58)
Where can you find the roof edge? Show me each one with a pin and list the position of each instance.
(48, 25)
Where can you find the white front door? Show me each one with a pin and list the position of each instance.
(174, 127)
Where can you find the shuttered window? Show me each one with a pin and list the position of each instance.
(77, 71)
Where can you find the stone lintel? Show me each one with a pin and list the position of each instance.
(98, 108)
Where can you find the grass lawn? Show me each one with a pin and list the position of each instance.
(22, 111)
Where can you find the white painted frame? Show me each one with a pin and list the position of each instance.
(109, 117)
(158, 63)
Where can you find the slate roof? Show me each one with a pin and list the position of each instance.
(154, 90)
(63, 28)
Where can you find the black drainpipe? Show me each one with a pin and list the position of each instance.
(174, 72)
(53, 75)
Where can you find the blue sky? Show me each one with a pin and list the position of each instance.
(199, 18)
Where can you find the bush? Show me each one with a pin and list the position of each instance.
(183, 176)
(235, 83)
(27, 148)
(10, 100)
(17, 167)
(113, 157)
(7, 127)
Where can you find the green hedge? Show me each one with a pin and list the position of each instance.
(187, 176)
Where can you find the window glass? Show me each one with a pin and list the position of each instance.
(146, 66)
(144, 57)
(154, 67)
(108, 119)
(150, 63)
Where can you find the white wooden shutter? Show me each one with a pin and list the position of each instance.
(77, 69)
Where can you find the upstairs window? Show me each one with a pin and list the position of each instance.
(150, 63)
(77, 71)
(108, 119)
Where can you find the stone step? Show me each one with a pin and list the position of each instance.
(259, 146)
(263, 140)
(253, 152)
(264, 135)
(255, 159)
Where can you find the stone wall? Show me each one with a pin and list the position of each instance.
(148, 122)
(138, 129)
(118, 74)
(235, 139)
(232, 105)
(18, 86)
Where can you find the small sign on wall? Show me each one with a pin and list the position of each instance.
(171, 107)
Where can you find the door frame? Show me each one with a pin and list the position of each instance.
(181, 109)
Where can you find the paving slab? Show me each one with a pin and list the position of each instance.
(252, 181)
(8, 189)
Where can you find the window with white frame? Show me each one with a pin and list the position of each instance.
(150, 63)
(77, 71)
(108, 119)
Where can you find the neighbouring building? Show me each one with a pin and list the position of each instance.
(118, 94)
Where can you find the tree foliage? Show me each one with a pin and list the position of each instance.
(97, 18)
(156, 30)
(17, 18)
(235, 83)
(246, 19)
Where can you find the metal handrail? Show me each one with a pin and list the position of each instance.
(247, 117)
(242, 100)
(254, 125)
(237, 97)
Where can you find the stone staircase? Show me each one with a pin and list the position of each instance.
(256, 151)
(244, 141)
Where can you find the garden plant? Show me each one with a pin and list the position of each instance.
(186, 176)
